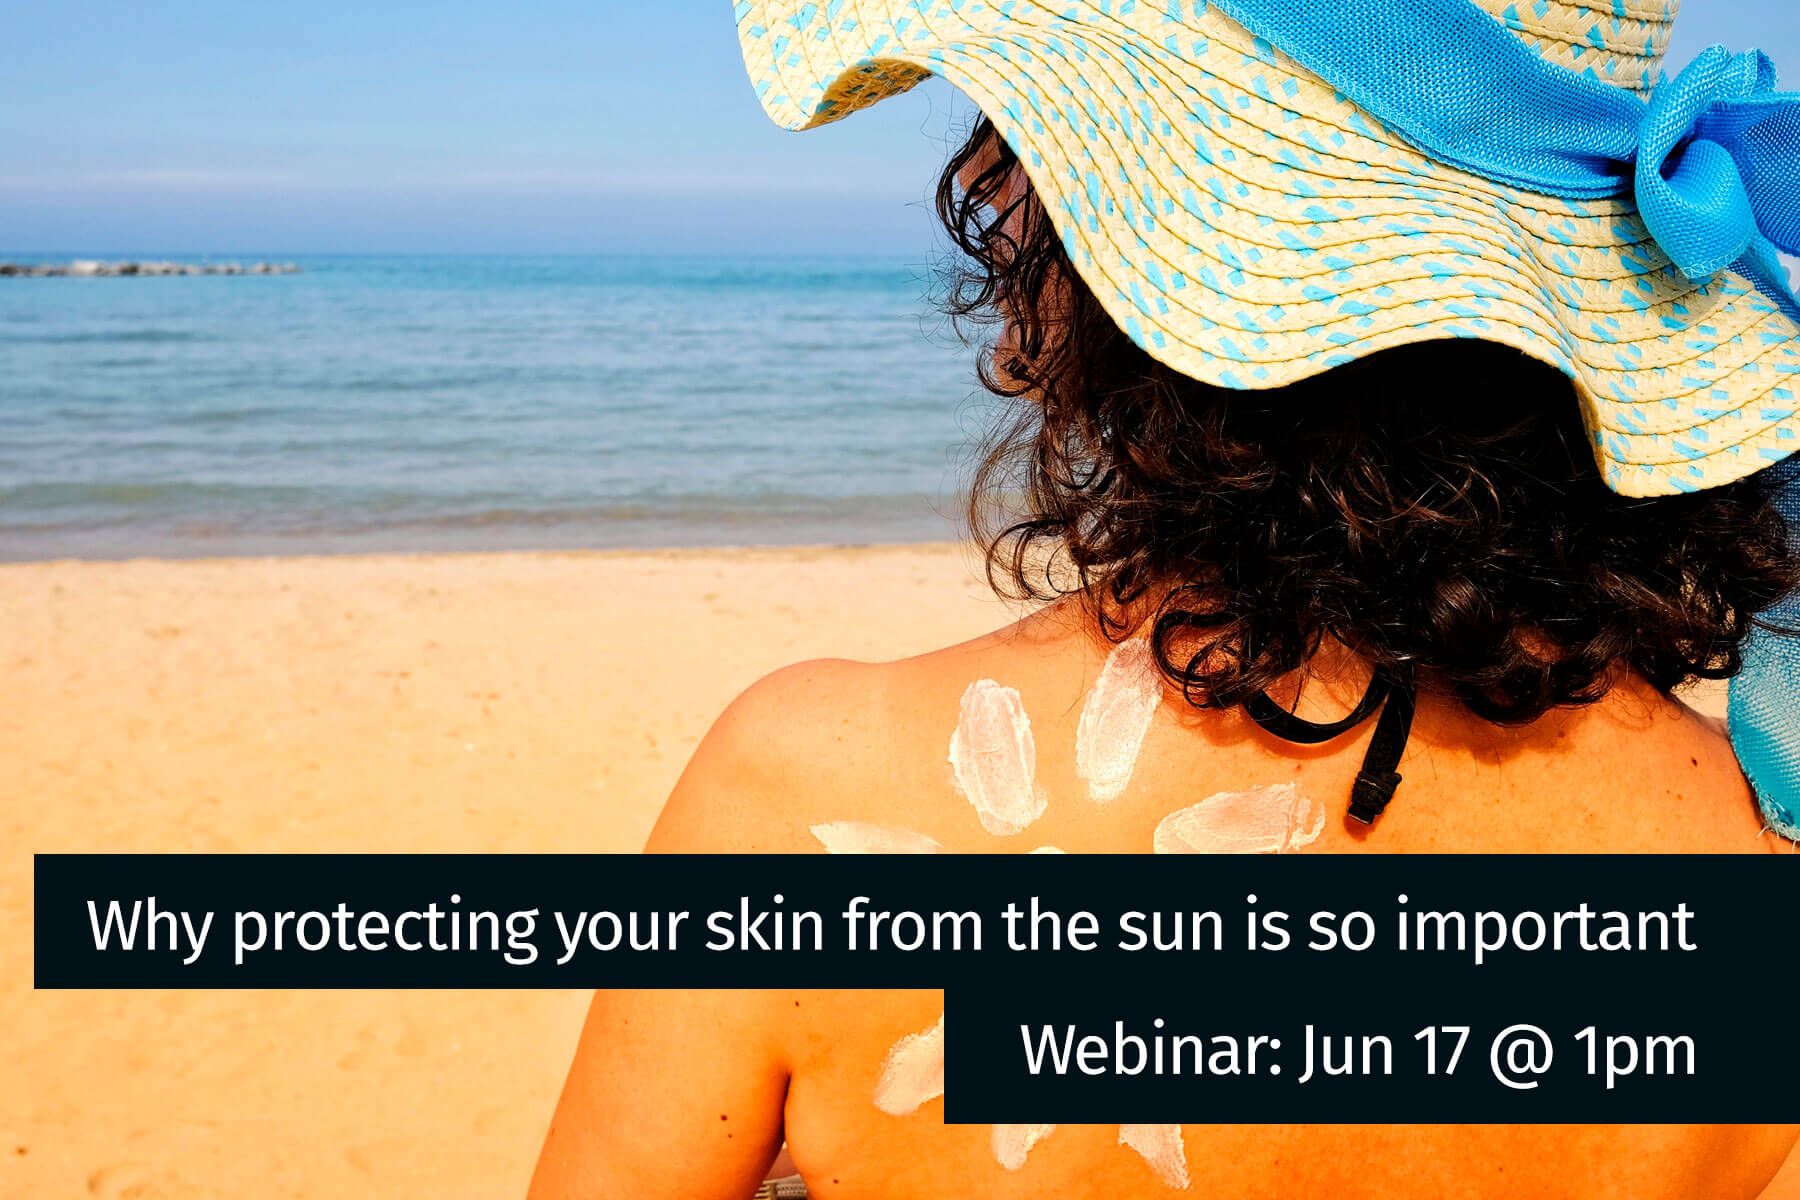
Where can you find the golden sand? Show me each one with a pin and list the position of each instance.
(516, 702)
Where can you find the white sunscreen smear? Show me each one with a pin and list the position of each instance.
(912, 1073)
(1115, 719)
(1264, 820)
(1012, 1143)
(855, 837)
(1162, 1148)
(995, 759)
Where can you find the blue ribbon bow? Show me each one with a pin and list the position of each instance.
(1718, 184)
(1717, 177)
(1713, 162)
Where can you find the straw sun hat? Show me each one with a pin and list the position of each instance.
(1250, 226)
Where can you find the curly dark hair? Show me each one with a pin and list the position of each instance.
(1434, 508)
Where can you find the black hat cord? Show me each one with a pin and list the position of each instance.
(1396, 696)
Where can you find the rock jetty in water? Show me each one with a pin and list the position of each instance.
(91, 269)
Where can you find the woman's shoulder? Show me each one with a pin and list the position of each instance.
(980, 746)
(834, 742)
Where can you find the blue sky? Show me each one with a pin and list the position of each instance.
(342, 125)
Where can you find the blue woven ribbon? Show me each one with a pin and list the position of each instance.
(1765, 696)
(1712, 161)
(1717, 177)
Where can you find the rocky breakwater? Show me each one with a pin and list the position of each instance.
(91, 269)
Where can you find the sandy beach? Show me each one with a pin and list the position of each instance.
(486, 702)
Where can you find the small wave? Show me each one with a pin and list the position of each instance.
(120, 364)
(122, 337)
(228, 530)
(123, 495)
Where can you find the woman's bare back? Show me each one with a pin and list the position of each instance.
(829, 751)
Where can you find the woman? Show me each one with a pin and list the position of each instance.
(1346, 474)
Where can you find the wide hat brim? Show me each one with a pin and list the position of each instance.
(1249, 227)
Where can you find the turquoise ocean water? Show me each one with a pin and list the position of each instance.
(423, 403)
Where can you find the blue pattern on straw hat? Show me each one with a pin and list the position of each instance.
(1260, 190)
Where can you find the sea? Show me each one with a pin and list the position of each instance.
(376, 404)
